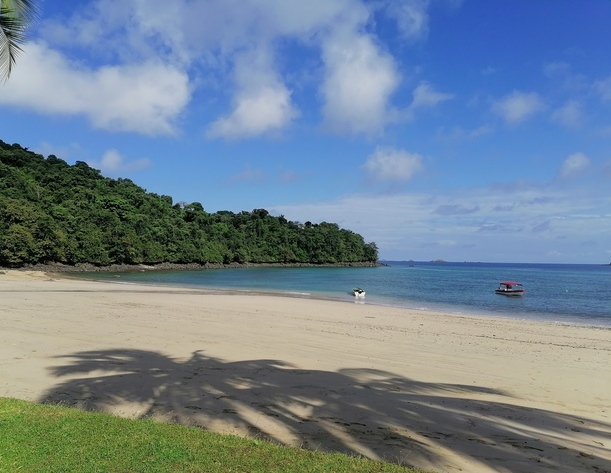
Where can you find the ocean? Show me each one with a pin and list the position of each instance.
(561, 293)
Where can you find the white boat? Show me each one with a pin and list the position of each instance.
(358, 292)
(510, 288)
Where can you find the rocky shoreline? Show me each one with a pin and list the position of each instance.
(115, 268)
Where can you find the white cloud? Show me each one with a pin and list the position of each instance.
(145, 98)
(518, 106)
(359, 81)
(569, 115)
(455, 209)
(419, 225)
(142, 60)
(573, 165)
(113, 163)
(249, 174)
(458, 133)
(411, 17)
(389, 164)
(288, 176)
(557, 69)
(262, 103)
(69, 152)
(111, 160)
(225, 26)
(425, 97)
(128, 32)
(256, 112)
(603, 87)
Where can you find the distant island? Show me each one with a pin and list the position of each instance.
(53, 213)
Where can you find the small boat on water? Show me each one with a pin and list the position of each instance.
(510, 288)
(358, 292)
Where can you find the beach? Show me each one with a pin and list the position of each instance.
(442, 392)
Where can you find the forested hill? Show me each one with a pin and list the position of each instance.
(52, 212)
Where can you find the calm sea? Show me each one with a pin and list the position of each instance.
(565, 293)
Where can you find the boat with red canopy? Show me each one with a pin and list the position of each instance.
(510, 288)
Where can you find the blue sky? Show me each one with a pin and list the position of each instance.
(473, 130)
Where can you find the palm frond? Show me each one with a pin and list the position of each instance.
(15, 18)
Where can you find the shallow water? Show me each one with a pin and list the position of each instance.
(561, 293)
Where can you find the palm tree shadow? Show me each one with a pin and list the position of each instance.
(366, 412)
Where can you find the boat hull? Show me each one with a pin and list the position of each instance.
(514, 293)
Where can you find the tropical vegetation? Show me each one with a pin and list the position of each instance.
(15, 17)
(53, 212)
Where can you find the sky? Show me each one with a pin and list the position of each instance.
(462, 130)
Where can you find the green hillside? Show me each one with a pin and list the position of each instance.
(52, 212)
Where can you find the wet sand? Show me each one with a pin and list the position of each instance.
(443, 392)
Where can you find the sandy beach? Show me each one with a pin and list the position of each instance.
(442, 392)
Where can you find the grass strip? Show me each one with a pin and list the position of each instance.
(48, 438)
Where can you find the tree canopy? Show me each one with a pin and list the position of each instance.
(53, 212)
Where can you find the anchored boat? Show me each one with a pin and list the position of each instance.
(510, 288)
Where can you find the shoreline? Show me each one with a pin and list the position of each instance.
(142, 267)
(554, 319)
(438, 391)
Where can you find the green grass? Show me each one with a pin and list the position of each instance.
(45, 438)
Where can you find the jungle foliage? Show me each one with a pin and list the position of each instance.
(51, 211)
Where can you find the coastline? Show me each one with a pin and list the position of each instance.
(446, 392)
(332, 293)
(121, 268)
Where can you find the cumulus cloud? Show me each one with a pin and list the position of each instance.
(573, 165)
(262, 103)
(145, 98)
(214, 34)
(569, 115)
(359, 81)
(518, 106)
(389, 164)
(129, 31)
(411, 16)
(424, 97)
(113, 163)
(256, 112)
(141, 62)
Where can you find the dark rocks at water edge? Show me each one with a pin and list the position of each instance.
(116, 268)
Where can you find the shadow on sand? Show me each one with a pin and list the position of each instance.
(366, 412)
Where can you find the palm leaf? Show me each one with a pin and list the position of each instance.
(15, 17)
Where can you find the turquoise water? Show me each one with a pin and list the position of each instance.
(561, 293)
